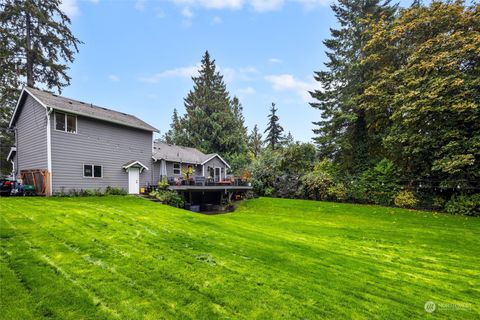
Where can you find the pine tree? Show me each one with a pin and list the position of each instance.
(174, 134)
(237, 110)
(36, 45)
(213, 122)
(289, 139)
(274, 129)
(342, 134)
(255, 142)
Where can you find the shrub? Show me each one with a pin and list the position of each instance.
(337, 192)
(468, 205)
(438, 203)
(316, 184)
(405, 199)
(264, 171)
(268, 192)
(286, 186)
(170, 197)
(162, 184)
(88, 193)
(112, 191)
(377, 185)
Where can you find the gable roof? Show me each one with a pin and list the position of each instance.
(50, 100)
(174, 153)
(135, 164)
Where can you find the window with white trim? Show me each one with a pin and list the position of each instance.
(65, 122)
(176, 168)
(92, 171)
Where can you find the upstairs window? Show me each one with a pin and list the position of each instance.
(92, 171)
(176, 168)
(65, 122)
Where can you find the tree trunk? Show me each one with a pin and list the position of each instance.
(30, 81)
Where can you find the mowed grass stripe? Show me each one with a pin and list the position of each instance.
(95, 272)
(272, 258)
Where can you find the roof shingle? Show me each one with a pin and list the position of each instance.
(89, 110)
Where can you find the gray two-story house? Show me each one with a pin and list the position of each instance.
(75, 145)
(63, 144)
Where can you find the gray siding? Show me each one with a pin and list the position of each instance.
(99, 143)
(31, 136)
(215, 162)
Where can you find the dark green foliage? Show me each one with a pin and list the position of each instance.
(264, 170)
(255, 142)
(342, 134)
(377, 185)
(115, 191)
(36, 45)
(169, 197)
(108, 191)
(423, 91)
(468, 205)
(213, 122)
(274, 130)
(297, 158)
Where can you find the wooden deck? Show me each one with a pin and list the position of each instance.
(209, 188)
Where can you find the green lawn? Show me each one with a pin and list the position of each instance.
(128, 258)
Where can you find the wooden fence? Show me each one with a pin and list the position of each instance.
(39, 178)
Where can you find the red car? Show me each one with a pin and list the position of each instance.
(5, 187)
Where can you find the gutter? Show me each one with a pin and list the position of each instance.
(49, 151)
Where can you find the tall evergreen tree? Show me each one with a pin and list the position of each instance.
(289, 139)
(174, 134)
(36, 45)
(237, 110)
(213, 122)
(255, 142)
(274, 130)
(342, 134)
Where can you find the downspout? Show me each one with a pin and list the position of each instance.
(15, 171)
(49, 151)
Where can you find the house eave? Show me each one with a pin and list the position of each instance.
(216, 155)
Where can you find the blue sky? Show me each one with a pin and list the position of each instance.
(138, 56)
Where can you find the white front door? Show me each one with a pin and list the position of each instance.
(133, 180)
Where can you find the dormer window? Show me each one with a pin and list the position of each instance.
(65, 122)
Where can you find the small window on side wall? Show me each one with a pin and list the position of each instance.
(59, 121)
(92, 171)
(65, 122)
(176, 168)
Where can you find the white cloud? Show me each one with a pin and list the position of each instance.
(274, 60)
(247, 91)
(287, 82)
(256, 5)
(183, 72)
(229, 74)
(114, 78)
(187, 13)
(70, 8)
(140, 5)
(266, 5)
(212, 4)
